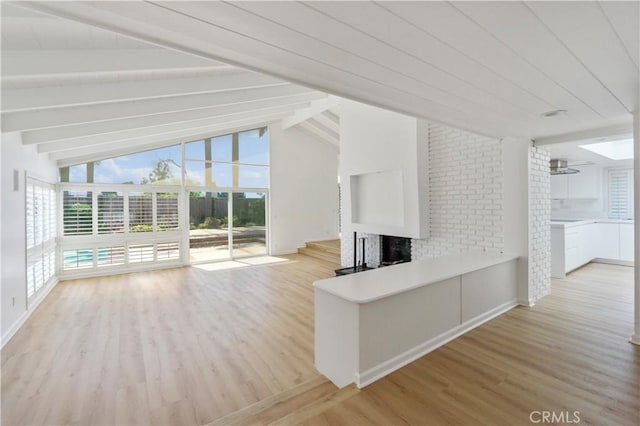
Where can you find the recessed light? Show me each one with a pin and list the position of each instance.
(554, 113)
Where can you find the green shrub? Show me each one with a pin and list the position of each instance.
(210, 223)
(224, 222)
(141, 228)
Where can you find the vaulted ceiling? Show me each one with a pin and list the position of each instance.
(81, 93)
(490, 67)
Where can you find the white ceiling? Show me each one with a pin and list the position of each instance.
(575, 155)
(489, 67)
(81, 93)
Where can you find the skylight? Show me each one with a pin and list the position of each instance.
(614, 150)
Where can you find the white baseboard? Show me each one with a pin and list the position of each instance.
(614, 262)
(26, 314)
(399, 361)
(529, 303)
(119, 271)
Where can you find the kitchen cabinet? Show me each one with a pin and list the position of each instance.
(606, 240)
(578, 244)
(626, 242)
(584, 185)
(559, 187)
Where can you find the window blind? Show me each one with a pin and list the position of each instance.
(40, 210)
(621, 194)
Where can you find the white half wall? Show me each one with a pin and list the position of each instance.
(25, 160)
(304, 199)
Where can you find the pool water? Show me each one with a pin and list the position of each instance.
(73, 257)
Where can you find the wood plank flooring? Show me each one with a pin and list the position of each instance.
(568, 353)
(188, 346)
(178, 346)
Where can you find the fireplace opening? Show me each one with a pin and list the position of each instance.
(394, 250)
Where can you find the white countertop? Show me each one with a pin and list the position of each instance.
(368, 286)
(569, 223)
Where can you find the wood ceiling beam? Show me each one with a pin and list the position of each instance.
(55, 117)
(311, 127)
(92, 154)
(80, 94)
(215, 37)
(329, 120)
(55, 134)
(133, 135)
(315, 108)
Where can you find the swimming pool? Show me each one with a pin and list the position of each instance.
(83, 257)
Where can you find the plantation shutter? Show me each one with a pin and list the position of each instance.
(40, 209)
(621, 194)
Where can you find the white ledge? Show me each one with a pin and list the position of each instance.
(375, 284)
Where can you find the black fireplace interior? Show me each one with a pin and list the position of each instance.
(394, 250)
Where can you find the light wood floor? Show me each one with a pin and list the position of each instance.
(187, 346)
(568, 353)
(177, 346)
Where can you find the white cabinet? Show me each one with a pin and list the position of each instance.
(574, 246)
(626, 242)
(584, 185)
(606, 240)
(559, 187)
(572, 249)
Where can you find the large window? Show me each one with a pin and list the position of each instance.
(224, 226)
(114, 227)
(131, 210)
(40, 235)
(239, 160)
(159, 167)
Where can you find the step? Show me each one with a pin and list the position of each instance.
(280, 405)
(318, 254)
(326, 246)
(317, 407)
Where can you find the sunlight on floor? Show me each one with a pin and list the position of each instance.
(253, 261)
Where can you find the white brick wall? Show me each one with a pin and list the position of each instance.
(465, 196)
(539, 229)
(372, 249)
(465, 192)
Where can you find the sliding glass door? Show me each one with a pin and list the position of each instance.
(223, 228)
(208, 226)
(249, 234)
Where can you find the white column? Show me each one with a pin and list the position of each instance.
(635, 338)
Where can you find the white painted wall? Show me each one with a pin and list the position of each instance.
(515, 165)
(25, 159)
(374, 141)
(304, 200)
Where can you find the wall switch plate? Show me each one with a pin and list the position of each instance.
(16, 180)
